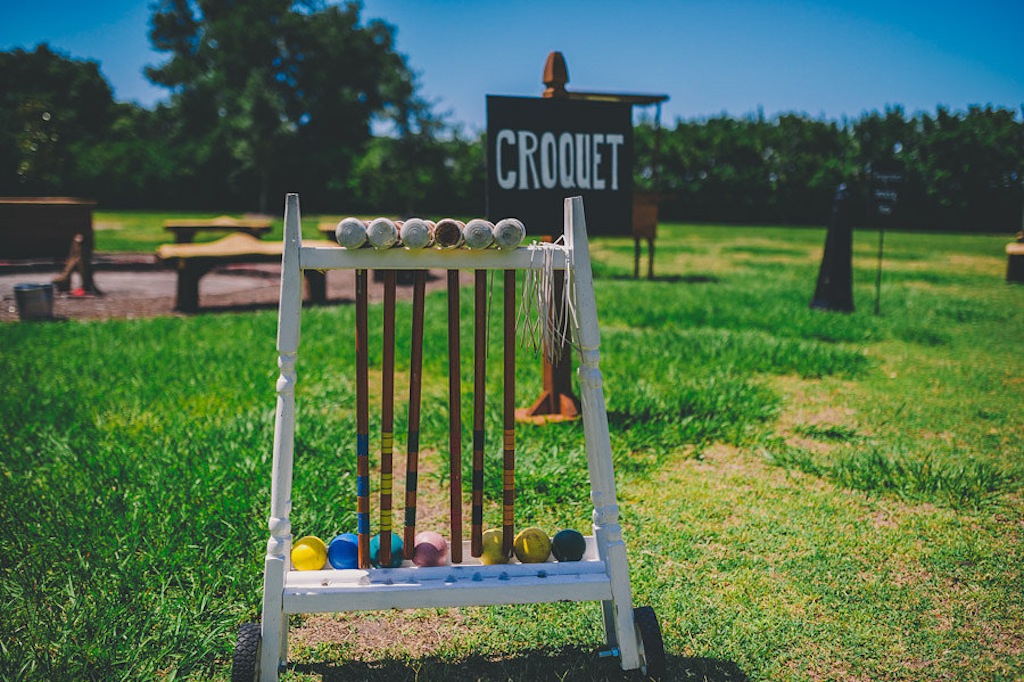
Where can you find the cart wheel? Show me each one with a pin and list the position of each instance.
(652, 647)
(245, 665)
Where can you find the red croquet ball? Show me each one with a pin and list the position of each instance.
(430, 549)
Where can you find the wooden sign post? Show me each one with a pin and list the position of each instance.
(885, 183)
(543, 150)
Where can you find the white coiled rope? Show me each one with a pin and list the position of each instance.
(545, 321)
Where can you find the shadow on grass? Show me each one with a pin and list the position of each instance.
(267, 305)
(568, 664)
(668, 279)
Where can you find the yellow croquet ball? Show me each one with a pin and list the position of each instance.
(309, 553)
(532, 546)
(492, 548)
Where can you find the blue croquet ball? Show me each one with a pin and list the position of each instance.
(396, 551)
(343, 551)
(568, 545)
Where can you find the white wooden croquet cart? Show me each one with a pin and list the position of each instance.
(602, 575)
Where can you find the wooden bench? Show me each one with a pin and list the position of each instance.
(1015, 260)
(192, 261)
(185, 229)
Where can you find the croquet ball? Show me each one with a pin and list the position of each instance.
(509, 233)
(309, 553)
(429, 549)
(568, 545)
(479, 233)
(382, 233)
(492, 553)
(343, 551)
(396, 551)
(351, 233)
(532, 546)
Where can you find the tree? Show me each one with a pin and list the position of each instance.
(279, 95)
(428, 175)
(50, 106)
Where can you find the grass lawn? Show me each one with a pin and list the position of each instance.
(805, 495)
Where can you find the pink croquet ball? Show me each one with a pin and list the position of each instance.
(430, 549)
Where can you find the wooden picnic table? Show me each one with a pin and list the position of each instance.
(44, 227)
(327, 229)
(185, 229)
(192, 261)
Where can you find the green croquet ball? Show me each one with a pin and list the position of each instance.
(396, 551)
(532, 546)
(568, 545)
(309, 553)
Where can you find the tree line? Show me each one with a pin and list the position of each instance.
(271, 96)
(955, 170)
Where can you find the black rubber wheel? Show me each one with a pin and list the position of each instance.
(653, 654)
(245, 665)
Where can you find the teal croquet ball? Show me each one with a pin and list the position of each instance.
(343, 551)
(568, 545)
(396, 551)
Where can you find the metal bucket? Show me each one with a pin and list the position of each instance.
(35, 301)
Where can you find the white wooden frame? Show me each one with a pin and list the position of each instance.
(602, 575)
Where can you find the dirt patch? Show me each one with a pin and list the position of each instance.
(382, 634)
(138, 290)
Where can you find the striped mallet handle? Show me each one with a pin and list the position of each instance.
(419, 287)
(509, 450)
(455, 416)
(387, 417)
(479, 391)
(362, 423)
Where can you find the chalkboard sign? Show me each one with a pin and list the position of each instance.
(885, 190)
(540, 151)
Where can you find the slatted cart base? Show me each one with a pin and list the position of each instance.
(467, 584)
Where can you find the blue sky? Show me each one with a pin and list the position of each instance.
(825, 59)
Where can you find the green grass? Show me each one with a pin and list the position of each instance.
(805, 495)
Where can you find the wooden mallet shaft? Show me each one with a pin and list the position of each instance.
(362, 423)
(455, 416)
(387, 418)
(509, 440)
(479, 393)
(419, 287)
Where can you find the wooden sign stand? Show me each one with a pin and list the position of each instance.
(557, 402)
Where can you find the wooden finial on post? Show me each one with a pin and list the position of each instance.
(556, 75)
